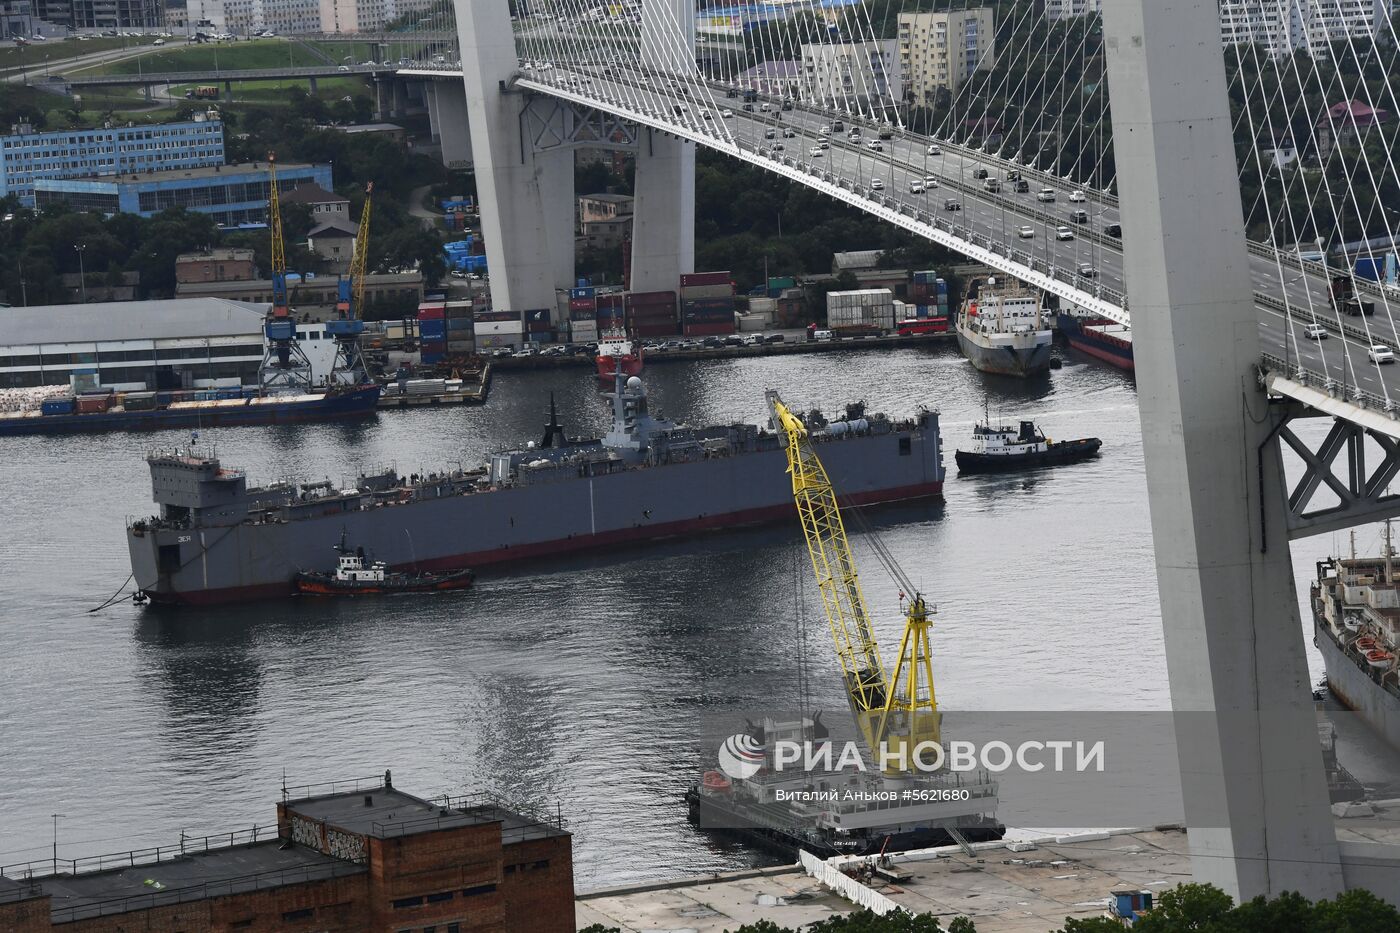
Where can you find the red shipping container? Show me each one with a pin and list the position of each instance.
(583, 304)
(639, 299)
(705, 278)
(88, 403)
(708, 330)
(540, 327)
(432, 313)
(611, 301)
(655, 313)
(656, 330)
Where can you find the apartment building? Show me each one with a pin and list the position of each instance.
(1282, 27)
(117, 14)
(1064, 9)
(941, 50)
(851, 74)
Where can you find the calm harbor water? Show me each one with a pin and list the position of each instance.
(575, 683)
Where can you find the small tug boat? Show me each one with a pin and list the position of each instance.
(1001, 449)
(354, 575)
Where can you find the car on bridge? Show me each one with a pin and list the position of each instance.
(1088, 271)
(916, 186)
(1026, 233)
(770, 134)
(1080, 216)
(1315, 332)
(1045, 195)
(952, 204)
(875, 146)
(934, 150)
(1380, 353)
(1021, 186)
(815, 152)
(992, 186)
(930, 181)
(1078, 196)
(789, 134)
(979, 173)
(1064, 233)
(825, 131)
(877, 184)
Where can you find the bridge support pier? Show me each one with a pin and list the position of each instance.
(447, 120)
(1256, 800)
(314, 85)
(526, 197)
(663, 212)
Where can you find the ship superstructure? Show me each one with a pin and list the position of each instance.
(1003, 328)
(1356, 627)
(219, 538)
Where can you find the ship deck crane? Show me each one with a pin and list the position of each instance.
(894, 711)
(285, 367)
(349, 367)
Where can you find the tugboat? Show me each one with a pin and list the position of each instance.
(1004, 448)
(616, 351)
(354, 575)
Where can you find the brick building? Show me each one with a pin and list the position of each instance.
(374, 859)
(216, 265)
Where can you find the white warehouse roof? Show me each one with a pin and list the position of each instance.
(129, 320)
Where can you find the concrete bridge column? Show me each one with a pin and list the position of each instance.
(1256, 801)
(381, 100)
(663, 219)
(312, 82)
(228, 90)
(447, 116)
(398, 98)
(527, 198)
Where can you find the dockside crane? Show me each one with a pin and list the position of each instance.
(285, 367)
(349, 367)
(895, 711)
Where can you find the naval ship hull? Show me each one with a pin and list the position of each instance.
(1351, 681)
(1005, 361)
(253, 560)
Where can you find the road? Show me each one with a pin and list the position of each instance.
(57, 67)
(987, 219)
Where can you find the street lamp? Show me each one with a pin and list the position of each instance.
(82, 278)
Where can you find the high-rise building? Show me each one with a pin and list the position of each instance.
(1282, 27)
(1064, 9)
(117, 14)
(26, 155)
(851, 74)
(941, 50)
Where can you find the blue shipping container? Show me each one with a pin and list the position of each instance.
(583, 292)
(56, 406)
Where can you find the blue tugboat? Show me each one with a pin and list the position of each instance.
(1003, 449)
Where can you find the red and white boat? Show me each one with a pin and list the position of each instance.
(616, 347)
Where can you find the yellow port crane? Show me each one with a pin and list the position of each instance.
(351, 301)
(285, 367)
(894, 712)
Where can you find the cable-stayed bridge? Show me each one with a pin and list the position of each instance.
(1224, 120)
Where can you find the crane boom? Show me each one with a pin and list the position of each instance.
(280, 303)
(350, 301)
(892, 710)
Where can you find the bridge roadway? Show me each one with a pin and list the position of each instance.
(991, 221)
(228, 74)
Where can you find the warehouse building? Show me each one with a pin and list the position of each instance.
(232, 194)
(373, 858)
(172, 344)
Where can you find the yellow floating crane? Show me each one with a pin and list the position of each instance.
(894, 712)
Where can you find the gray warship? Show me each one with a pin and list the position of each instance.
(218, 539)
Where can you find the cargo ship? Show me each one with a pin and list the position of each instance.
(616, 350)
(214, 408)
(1002, 329)
(1100, 338)
(841, 812)
(218, 539)
(1355, 602)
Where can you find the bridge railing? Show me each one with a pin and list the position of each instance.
(1336, 388)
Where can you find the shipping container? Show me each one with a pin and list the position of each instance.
(57, 406)
(542, 337)
(457, 324)
(585, 292)
(668, 329)
(705, 278)
(431, 329)
(497, 328)
(430, 357)
(614, 300)
(589, 315)
(583, 331)
(779, 282)
(640, 299)
(536, 315)
(139, 401)
(461, 346)
(708, 303)
(707, 330)
(583, 304)
(762, 305)
(497, 341)
(432, 313)
(539, 327)
(707, 291)
(496, 316)
(928, 276)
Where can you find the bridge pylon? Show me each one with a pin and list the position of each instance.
(1257, 806)
(526, 196)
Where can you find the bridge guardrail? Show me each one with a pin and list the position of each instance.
(1335, 388)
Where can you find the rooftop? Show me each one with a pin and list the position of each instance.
(387, 813)
(193, 877)
(129, 320)
(333, 226)
(207, 171)
(856, 259)
(369, 128)
(608, 197)
(221, 254)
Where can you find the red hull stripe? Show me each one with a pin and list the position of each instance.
(1117, 359)
(564, 545)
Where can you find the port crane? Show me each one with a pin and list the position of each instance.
(349, 366)
(895, 711)
(285, 367)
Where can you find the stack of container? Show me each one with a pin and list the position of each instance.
(611, 313)
(929, 295)
(707, 304)
(652, 314)
(496, 329)
(868, 311)
(432, 330)
(466, 255)
(777, 284)
(459, 327)
(538, 327)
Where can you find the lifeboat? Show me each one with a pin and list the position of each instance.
(1365, 643)
(715, 782)
(1379, 659)
(1352, 621)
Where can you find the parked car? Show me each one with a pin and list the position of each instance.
(822, 335)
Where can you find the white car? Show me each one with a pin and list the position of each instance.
(877, 185)
(1026, 233)
(916, 186)
(930, 181)
(1316, 332)
(765, 107)
(1078, 197)
(825, 131)
(1064, 233)
(822, 335)
(1045, 195)
(815, 152)
(1380, 353)
(934, 150)
(726, 113)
